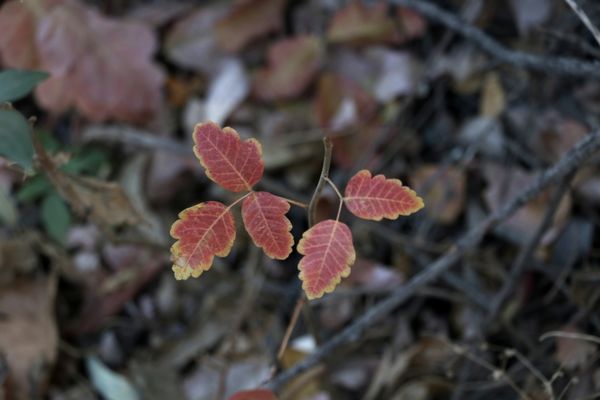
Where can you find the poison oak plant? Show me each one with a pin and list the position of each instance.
(208, 229)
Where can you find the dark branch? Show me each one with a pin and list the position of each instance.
(569, 163)
(557, 65)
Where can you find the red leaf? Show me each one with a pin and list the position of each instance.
(249, 20)
(230, 162)
(292, 66)
(328, 255)
(256, 394)
(264, 218)
(204, 231)
(377, 197)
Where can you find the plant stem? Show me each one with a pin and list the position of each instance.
(312, 211)
(312, 206)
(339, 195)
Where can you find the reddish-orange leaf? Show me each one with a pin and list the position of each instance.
(204, 231)
(377, 197)
(328, 255)
(265, 221)
(230, 162)
(255, 394)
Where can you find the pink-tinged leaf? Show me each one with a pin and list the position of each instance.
(292, 66)
(328, 255)
(256, 394)
(232, 163)
(375, 197)
(203, 231)
(264, 218)
(247, 21)
(78, 46)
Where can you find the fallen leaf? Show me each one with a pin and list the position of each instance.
(328, 255)
(370, 274)
(234, 164)
(264, 218)
(375, 197)
(292, 64)
(412, 24)
(493, 99)
(249, 20)
(256, 394)
(341, 103)
(17, 46)
(443, 189)
(202, 232)
(28, 334)
(360, 24)
(111, 385)
(191, 42)
(227, 90)
(529, 14)
(503, 185)
(78, 47)
(573, 353)
(398, 73)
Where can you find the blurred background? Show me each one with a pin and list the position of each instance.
(98, 100)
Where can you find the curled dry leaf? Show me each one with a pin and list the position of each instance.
(375, 197)
(96, 63)
(247, 21)
(264, 218)
(234, 164)
(292, 64)
(203, 231)
(328, 255)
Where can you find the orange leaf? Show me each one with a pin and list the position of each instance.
(234, 164)
(204, 231)
(328, 255)
(377, 197)
(292, 66)
(264, 218)
(256, 394)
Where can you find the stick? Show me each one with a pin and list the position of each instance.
(584, 18)
(572, 160)
(557, 65)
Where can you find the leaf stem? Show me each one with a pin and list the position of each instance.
(229, 207)
(294, 202)
(339, 195)
(312, 206)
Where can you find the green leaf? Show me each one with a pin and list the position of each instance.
(34, 188)
(15, 139)
(111, 385)
(56, 217)
(16, 84)
(8, 210)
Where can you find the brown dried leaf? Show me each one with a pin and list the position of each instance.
(360, 24)
(443, 190)
(493, 99)
(505, 184)
(247, 21)
(28, 334)
(292, 65)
